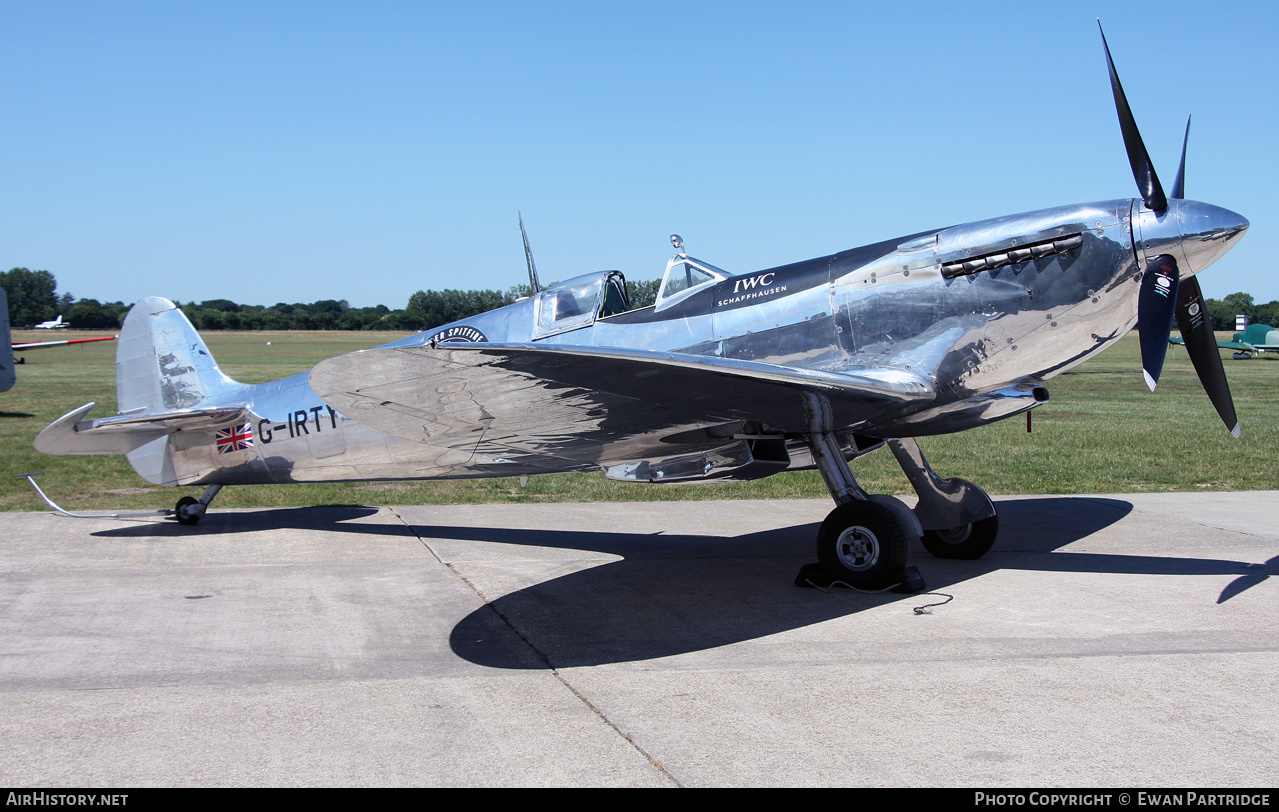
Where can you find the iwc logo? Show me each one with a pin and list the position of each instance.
(752, 287)
(462, 333)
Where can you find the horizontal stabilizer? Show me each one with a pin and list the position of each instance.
(72, 434)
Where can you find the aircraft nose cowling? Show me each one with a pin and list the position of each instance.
(1207, 232)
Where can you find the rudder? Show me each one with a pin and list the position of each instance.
(163, 365)
(161, 362)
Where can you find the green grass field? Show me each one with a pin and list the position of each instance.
(1102, 432)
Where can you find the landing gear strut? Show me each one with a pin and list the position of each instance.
(863, 541)
(189, 509)
(958, 517)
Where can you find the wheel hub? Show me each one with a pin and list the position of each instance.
(955, 535)
(857, 548)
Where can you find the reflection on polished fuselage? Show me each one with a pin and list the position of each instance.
(728, 376)
(987, 311)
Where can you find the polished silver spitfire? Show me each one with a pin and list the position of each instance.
(728, 376)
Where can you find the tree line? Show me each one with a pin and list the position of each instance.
(33, 298)
(1223, 312)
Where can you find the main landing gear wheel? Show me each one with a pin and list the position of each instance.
(862, 544)
(968, 541)
(180, 513)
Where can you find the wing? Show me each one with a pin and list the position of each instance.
(573, 407)
(23, 346)
(1222, 345)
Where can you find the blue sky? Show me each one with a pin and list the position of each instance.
(268, 152)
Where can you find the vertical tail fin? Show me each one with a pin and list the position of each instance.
(162, 363)
(6, 345)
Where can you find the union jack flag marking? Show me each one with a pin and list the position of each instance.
(236, 438)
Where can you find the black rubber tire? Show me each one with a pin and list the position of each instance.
(862, 544)
(186, 501)
(969, 542)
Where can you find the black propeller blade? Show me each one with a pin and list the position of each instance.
(1161, 286)
(1196, 329)
(1155, 305)
(1143, 171)
(1179, 185)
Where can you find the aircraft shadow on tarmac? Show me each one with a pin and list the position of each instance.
(672, 594)
(336, 518)
(675, 594)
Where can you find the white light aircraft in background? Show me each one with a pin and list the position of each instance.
(8, 346)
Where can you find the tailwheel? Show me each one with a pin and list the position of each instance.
(968, 541)
(189, 509)
(182, 512)
(862, 544)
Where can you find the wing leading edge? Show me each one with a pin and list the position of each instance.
(580, 407)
